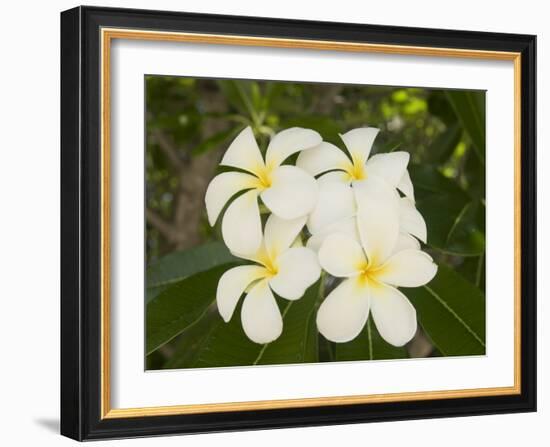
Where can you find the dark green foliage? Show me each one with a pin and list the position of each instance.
(225, 344)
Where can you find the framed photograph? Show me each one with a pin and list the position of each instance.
(275, 223)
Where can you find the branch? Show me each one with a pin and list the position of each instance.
(167, 146)
(165, 228)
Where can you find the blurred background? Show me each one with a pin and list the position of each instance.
(190, 123)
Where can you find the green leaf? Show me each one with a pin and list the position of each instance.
(444, 145)
(152, 292)
(214, 141)
(369, 345)
(474, 175)
(182, 304)
(427, 181)
(469, 107)
(192, 339)
(451, 311)
(182, 264)
(233, 96)
(467, 235)
(439, 105)
(456, 224)
(225, 344)
(473, 269)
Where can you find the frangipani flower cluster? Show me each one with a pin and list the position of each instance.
(360, 230)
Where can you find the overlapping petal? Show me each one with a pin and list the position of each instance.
(335, 176)
(322, 158)
(405, 185)
(342, 256)
(378, 218)
(359, 142)
(393, 314)
(345, 226)
(232, 285)
(344, 312)
(279, 234)
(407, 268)
(293, 192)
(336, 202)
(222, 188)
(241, 224)
(391, 167)
(260, 315)
(406, 242)
(288, 142)
(297, 269)
(244, 153)
(410, 219)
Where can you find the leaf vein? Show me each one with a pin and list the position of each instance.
(454, 314)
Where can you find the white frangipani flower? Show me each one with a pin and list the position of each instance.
(336, 166)
(289, 192)
(281, 267)
(373, 269)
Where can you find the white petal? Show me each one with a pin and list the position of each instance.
(232, 285)
(346, 226)
(293, 192)
(260, 314)
(344, 312)
(279, 234)
(336, 202)
(288, 142)
(359, 142)
(259, 256)
(335, 176)
(390, 167)
(406, 242)
(241, 224)
(322, 158)
(377, 218)
(405, 185)
(298, 268)
(393, 314)
(244, 153)
(410, 219)
(408, 268)
(222, 188)
(341, 256)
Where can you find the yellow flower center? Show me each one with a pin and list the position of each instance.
(365, 273)
(263, 173)
(368, 272)
(270, 264)
(356, 170)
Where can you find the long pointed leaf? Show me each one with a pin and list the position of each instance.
(180, 265)
(452, 312)
(179, 306)
(470, 110)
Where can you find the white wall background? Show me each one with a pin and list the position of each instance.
(29, 223)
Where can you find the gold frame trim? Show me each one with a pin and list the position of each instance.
(107, 35)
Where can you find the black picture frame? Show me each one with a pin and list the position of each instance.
(81, 223)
